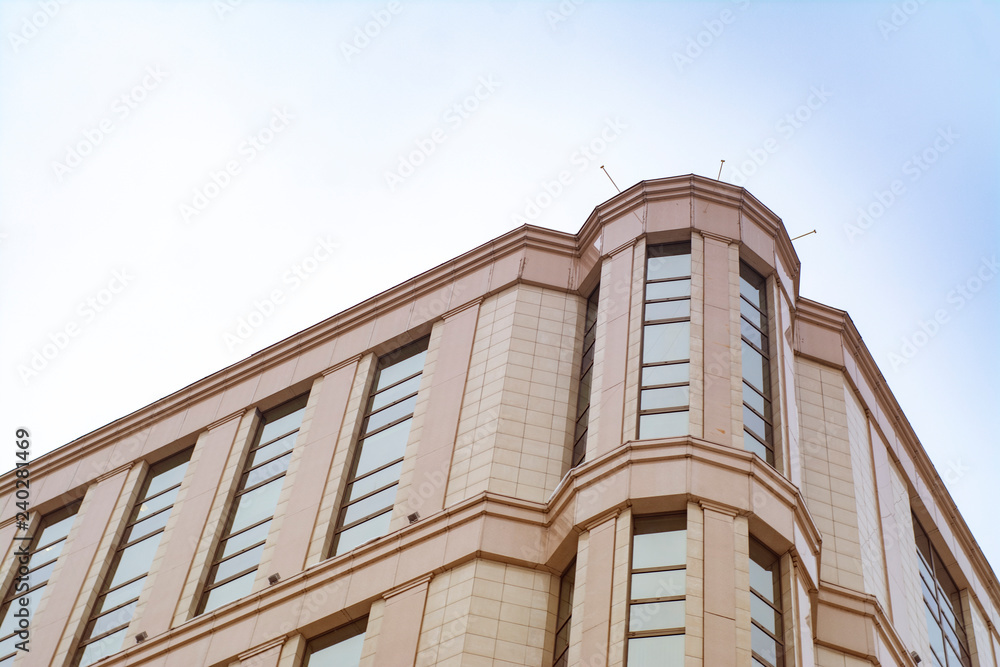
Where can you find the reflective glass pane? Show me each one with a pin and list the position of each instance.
(666, 342)
(42, 573)
(656, 651)
(363, 532)
(245, 539)
(270, 451)
(46, 555)
(256, 505)
(668, 310)
(103, 647)
(228, 592)
(763, 581)
(668, 583)
(119, 596)
(282, 425)
(669, 374)
(763, 614)
(362, 508)
(764, 645)
(398, 371)
(659, 549)
(391, 414)
(675, 266)
(152, 505)
(668, 290)
(146, 527)
(134, 560)
(663, 425)
(267, 471)
(752, 334)
(111, 620)
(10, 622)
(753, 398)
(236, 564)
(375, 481)
(383, 447)
(346, 653)
(751, 444)
(7, 646)
(583, 398)
(169, 476)
(750, 293)
(393, 394)
(754, 423)
(753, 315)
(755, 369)
(656, 616)
(668, 397)
(56, 531)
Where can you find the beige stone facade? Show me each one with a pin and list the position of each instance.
(489, 517)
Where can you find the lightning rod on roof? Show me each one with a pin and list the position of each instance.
(720, 170)
(610, 179)
(801, 235)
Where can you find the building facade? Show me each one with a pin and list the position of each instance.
(636, 445)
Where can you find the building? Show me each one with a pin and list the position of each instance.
(636, 445)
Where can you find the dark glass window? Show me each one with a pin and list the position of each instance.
(586, 379)
(655, 632)
(116, 604)
(564, 616)
(238, 556)
(47, 544)
(666, 341)
(378, 459)
(757, 432)
(340, 648)
(765, 607)
(942, 606)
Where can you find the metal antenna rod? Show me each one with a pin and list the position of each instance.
(801, 235)
(610, 179)
(720, 170)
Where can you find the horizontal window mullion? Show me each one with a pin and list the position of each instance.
(667, 280)
(358, 522)
(164, 491)
(756, 349)
(765, 600)
(390, 405)
(397, 383)
(370, 494)
(247, 529)
(668, 299)
(752, 305)
(239, 553)
(665, 568)
(766, 631)
(127, 583)
(232, 577)
(669, 320)
(751, 409)
(667, 632)
(761, 659)
(659, 411)
(375, 471)
(666, 386)
(105, 634)
(268, 461)
(669, 598)
(768, 446)
(274, 440)
(259, 484)
(386, 427)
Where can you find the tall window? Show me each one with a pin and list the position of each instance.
(564, 616)
(115, 606)
(757, 436)
(238, 556)
(666, 342)
(942, 606)
(656, 592)
(48, 543)
(378, 458)
(765, 607)
(586, 379)
(340, 648)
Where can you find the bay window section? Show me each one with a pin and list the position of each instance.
(378, 458)
(657, 584)
(564, 616)
(46, 546)
(238, 555)
(758, 434)
(340, 648)
(942, 606)
(666, 341)
(586, 380)
(765, 607)
(130, 564)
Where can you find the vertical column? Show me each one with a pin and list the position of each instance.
(307, 482)
(169, 572)
(402, 616)
(68, 578)
(720, 586)
(592, 597)
(610, 355)
(718, 344)
(424, 478)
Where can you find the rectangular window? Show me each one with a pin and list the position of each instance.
(378, 459)
(666, 342)
(116, 604)
(765, 607)
(586, 379)
(48, 543)
(564, 616)
(238, 556)
(757, 432)
(942, 606)
(655, 632)
(340, 648)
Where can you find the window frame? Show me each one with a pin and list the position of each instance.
(582, 424)
(765, 393)
(776, 607)
(940, 578)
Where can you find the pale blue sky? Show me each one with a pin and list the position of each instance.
(817, 108)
